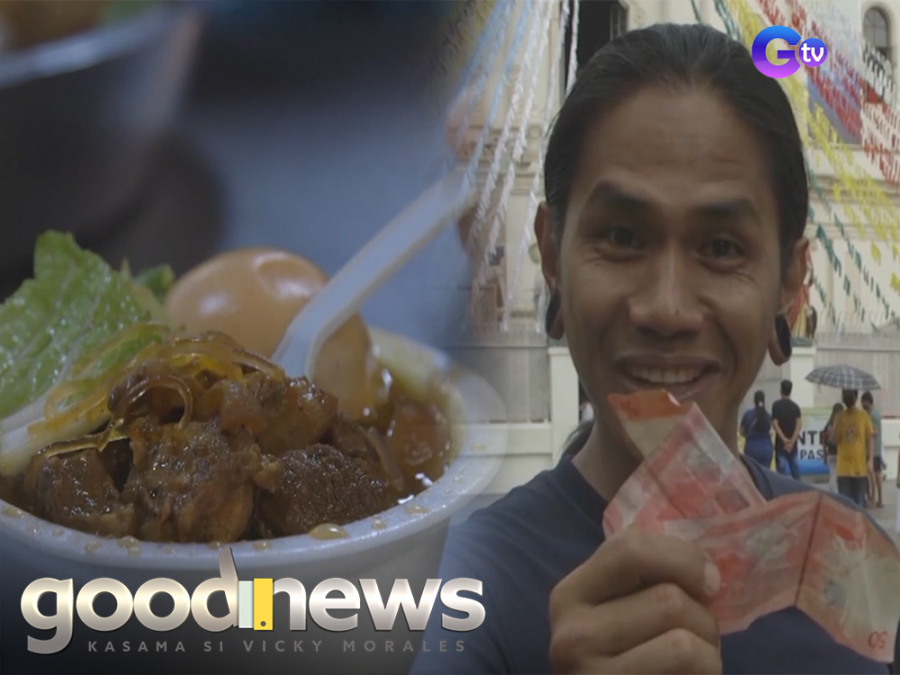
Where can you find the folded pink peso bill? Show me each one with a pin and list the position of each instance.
(806, 550)
(809, 551)
(692, 474)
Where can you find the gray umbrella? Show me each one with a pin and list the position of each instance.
(843, 377)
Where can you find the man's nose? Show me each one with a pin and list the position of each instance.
(667, 303)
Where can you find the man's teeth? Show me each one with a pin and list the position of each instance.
(666, 376)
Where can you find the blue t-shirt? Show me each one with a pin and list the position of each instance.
(521, 546)
(758, 432)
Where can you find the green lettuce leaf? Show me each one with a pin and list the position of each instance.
(158, 279)
(150, 288)
(74, 304)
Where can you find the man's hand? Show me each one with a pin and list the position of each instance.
(635, 606)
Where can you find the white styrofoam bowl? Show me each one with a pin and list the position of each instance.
(476, 414)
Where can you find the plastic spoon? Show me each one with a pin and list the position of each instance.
(378, 261)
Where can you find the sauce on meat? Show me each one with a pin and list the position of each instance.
(213, 450)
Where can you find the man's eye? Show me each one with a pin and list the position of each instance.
(621, 237)
(722, 248)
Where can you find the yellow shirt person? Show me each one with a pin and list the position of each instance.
(853, 431)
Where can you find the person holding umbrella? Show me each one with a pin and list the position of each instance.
(854, 436)
(853, 432)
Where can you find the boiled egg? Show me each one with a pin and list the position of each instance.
(253, 294)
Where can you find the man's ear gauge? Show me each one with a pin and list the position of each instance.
(553, 321)
(781, 343)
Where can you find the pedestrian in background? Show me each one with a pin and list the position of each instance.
(830, 448)
(875, 476)
(854, 435)
(756, 428)
(787, 420)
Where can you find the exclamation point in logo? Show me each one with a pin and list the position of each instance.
(255, 604)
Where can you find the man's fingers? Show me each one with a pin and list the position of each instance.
(634, 560)
(678, 651)
(621, 625)
(631, 621)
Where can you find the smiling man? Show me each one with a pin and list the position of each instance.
(672, 242)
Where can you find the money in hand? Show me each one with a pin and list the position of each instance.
(690, 473)
(805, 550)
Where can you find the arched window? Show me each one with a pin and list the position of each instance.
(599, 21)
(877, 31)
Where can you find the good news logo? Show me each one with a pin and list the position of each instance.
(249, 604)
(810, 53)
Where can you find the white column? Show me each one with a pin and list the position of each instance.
(800, 365)
(563, 398)
(890, 449)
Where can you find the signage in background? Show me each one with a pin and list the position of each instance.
(811, 460)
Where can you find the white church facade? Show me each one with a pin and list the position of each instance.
(855, 294)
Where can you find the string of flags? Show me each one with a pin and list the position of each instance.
(853, 190)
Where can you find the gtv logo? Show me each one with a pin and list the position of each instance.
(811, 52)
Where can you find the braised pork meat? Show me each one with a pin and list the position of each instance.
(210, 444)
(321, 484)
(76, 490)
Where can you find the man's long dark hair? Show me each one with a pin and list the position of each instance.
(682, 56)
